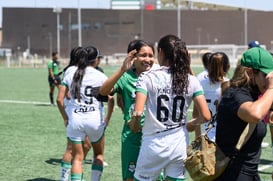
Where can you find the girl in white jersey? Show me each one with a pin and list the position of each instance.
(167, 92)
(63, 101)
(217, 70)
(84, 113)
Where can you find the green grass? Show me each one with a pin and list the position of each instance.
(33, 135)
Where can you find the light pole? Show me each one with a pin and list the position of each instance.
(58, 11)
(79, 25)
(141, 19)
(178, 18)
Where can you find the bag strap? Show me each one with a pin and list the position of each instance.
(249, 129)
(211, 123)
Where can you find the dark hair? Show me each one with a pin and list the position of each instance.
(78, 75)
(205, 59)
(138, 44)
(74, 57)
(54, 54)
(218, 66)
(176, 53)
(93, 54)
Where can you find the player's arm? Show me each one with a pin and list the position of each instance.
(195, 114)
(50, 72)
(110, 109)
(138, 112)
(120, 102)
(204, 114)
(60, 102)
(107, 87)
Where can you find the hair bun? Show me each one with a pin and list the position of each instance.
(92, 53)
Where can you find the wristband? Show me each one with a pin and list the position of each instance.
(135, 114)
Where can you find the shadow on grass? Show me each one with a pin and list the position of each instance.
(88, 161)
(266, 162)
(266, 173)
(53, 161)
(45, 104)
(40, 179)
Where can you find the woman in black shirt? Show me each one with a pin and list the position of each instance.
(238, 107)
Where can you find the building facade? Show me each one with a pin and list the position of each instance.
(35, 29)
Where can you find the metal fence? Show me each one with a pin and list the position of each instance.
(234, 53)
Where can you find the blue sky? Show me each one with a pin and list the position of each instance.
(266, 5)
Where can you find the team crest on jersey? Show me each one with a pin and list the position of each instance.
(132, 167)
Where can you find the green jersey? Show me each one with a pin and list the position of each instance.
(54, 65)
(126, 87)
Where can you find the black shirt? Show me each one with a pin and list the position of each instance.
(229, 128)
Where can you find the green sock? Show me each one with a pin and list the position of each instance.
(161, 176)
(76, 177)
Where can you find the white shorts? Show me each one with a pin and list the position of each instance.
(78, 128)
(162, 151)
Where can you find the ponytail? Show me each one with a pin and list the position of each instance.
(78, 76)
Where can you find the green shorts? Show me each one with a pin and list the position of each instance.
(129, 155)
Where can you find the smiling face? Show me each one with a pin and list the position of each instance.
(145, 59)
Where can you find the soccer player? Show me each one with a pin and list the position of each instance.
(140, 58)
(84, 113)
(53, 75)
(205, 61)
(168, 92)
(218, 68)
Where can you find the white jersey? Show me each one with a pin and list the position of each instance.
(70, 69)
(73, 68)
(165, 110)
(89, 106)
(213, 94)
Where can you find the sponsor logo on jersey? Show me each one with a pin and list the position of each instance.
(84, 109)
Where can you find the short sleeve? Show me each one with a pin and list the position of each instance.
(195, 86)
(142, 83)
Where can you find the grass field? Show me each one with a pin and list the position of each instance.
(33, 135)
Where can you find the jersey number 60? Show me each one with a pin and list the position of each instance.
(162, 113)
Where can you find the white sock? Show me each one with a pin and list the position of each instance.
(96, 172)
(65, 171)
(95, 176)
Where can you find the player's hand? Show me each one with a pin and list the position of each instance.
(191, 125)
(129, 60)
(134, 124)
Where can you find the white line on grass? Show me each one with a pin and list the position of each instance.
(24, 102)
(265, 166)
